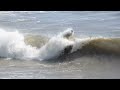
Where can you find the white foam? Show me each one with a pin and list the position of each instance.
(55, 45)
(12, 45)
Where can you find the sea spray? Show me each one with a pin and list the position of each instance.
(56, 45)
(13, 45)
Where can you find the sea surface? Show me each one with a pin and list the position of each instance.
(59, 44)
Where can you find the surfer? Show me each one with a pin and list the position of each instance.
(67, 34)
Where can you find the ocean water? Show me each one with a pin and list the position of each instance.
(59, 44)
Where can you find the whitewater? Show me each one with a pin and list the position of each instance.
(13, 45)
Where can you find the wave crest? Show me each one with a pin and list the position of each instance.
(15, 45)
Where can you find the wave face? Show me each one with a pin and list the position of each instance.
(103, 46)
(16, 45)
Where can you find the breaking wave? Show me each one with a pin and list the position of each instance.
(65, 44)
